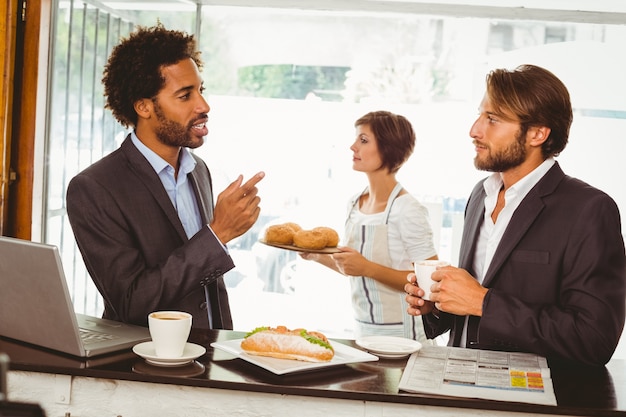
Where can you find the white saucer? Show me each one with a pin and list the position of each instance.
(191, 352)
(194, 368)
(389, 347)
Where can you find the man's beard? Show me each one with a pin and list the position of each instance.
(172, 133)
(505, 159)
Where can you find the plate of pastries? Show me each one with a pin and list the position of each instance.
(292, 236)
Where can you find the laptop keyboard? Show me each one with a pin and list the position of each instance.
(90, 336)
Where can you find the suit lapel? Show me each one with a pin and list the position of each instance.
(474, 217)
(145, 173)
(201, 182)
(523, 217)
(474, 214)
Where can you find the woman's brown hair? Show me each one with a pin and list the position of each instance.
(394, 136)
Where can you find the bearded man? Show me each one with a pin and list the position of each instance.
(542, 267)
(144, 216)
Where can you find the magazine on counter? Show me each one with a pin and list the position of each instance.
(485, 374)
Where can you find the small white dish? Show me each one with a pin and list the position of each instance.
(146, 350)
(389, 347)
(194, 368)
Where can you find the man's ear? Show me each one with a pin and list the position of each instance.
(143, 108)
(538, 135)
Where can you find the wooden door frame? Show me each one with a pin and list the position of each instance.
(22, 116)
(8, 31)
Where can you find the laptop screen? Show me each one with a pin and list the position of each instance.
(35, 301)
(34, 295)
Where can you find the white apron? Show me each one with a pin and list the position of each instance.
(378, 309)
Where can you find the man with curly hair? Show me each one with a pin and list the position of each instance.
(144, 216)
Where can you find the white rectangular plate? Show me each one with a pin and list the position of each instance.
(343, 355)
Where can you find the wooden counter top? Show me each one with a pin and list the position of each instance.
(579, 390)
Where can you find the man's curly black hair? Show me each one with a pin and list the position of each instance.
(133, 70)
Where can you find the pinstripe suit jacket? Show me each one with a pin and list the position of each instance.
(557, 279)
(134, 245)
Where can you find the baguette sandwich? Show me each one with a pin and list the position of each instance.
(280, 342)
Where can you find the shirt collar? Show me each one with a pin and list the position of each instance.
(493, 184)
(187, 162)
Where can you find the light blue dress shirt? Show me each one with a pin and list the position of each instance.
(179, 189)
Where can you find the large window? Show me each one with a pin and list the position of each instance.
(285, 87)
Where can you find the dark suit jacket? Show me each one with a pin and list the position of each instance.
(557, 280)
(134, 245)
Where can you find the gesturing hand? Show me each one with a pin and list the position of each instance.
(237, 208)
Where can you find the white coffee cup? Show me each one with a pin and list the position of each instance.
(169, 331)
(423, 272)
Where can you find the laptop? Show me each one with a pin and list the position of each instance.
(36, 307)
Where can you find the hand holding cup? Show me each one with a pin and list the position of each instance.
(423, 271)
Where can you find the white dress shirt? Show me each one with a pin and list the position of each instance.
(490, 233)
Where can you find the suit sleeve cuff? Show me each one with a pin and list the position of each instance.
(216, 238)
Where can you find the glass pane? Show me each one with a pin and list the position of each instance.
(427, 68)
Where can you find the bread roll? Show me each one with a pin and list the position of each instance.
(283, 343)
(279, 234)
(332, 237)
(294, 226)
(309, 239)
